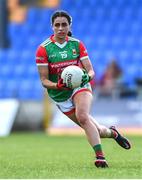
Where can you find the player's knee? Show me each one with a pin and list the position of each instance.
(82, 118)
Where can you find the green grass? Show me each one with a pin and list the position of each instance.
(37, 155)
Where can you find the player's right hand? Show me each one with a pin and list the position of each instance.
(61, 85)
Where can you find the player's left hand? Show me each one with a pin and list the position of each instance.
(85, 78)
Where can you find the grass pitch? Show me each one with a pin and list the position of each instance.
(37, 155)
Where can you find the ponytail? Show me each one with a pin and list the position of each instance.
(70, 33)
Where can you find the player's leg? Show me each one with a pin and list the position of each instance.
(106, 132)
(82, 109)
(100, 161)
(82, 102)
(112, 133)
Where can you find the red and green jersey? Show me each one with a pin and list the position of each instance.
(58, 56)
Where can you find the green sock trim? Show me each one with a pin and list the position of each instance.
(97, 148)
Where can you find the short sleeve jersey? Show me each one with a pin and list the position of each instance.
(58, 56)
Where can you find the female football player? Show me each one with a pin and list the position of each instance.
(53, 55)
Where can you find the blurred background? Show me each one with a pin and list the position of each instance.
(112, 33)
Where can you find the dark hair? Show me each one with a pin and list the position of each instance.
(62, 14)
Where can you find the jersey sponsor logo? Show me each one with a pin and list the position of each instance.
(54, 67)
(63, 54)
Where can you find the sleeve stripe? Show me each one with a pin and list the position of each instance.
(42, 64)
(85, 57)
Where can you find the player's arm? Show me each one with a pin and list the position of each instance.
(86, 63)
(88, 67)
(42, 64)
(43, 72)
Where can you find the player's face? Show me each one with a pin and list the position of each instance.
(61, 27)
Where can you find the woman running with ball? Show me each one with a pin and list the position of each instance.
(53, 55)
